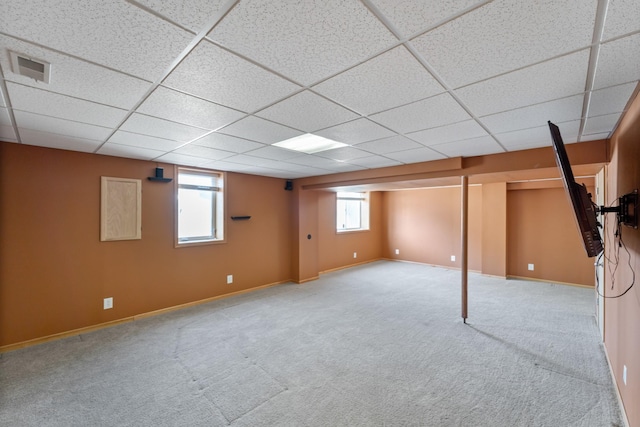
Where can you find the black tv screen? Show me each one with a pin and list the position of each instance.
(583, 207)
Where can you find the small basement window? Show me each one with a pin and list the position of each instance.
(352, 211)
(200, 206)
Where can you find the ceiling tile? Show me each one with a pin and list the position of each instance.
(60, 126)
(227, 143)
(249, 160)
(101, 32)
(182, 159)
(260, 130)
(5, 120)
(264, 171)
(305, 41)
(314, 161)
(225, 165)
(462, 130)
(192, 14)
(618, 62)
(345, 167)
(623, 17)
(412, 16)
(214, 74)
(416, 155)
(375, 162)
(537, 136)
(470, 147)
(47, 103)
(144, 141)
(179, 107)
(386, 81)
(601, 124)
(203, 152)
(273, 153)
(388, 145)
(436, 111)
(112, 149)
(560, 110)
(293, 169)
(62, 142)
(355, 132)
(7, 133)
(344, 154)
(308, 112)
(147, 125)
(595, 136)
(73, 77)
(610, 100)
(558, 78)
(506, 35)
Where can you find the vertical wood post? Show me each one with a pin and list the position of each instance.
(464, 207)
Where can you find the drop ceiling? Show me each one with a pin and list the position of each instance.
(215, 84)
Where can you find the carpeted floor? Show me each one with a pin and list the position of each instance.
(376, 345)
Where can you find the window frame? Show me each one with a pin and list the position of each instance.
(219, 203)
(364, 211)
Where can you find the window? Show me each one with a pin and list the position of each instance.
(200, 206)
(352, 211)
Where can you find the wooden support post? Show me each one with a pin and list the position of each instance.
(464, 208)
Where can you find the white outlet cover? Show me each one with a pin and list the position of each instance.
(397, 251)
(530, 267)
(229, 279)
(355, 255)
(453, 257)
(107, 303)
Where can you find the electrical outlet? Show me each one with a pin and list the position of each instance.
(107, 303)
(530, 267)
(624, 374)
(453, 257)
(397, 251)
(229, 279)
(355, 255)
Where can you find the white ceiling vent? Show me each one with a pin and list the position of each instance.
(30, 67)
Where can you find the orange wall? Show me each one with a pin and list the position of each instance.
(507, 231)
(494, 229)
(622, 315)
(336, 249)
(55, 272)
(541, 231)
(305, 238)
(425, 226)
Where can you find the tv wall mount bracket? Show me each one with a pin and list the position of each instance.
(626, 211)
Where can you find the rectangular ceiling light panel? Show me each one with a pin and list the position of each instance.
(309, 143)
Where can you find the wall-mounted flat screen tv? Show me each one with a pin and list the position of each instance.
(585, 211)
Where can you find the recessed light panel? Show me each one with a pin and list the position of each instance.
(309, 143)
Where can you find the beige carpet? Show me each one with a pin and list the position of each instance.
(377, 345)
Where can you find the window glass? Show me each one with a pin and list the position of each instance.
(352, 211)
(199, 206)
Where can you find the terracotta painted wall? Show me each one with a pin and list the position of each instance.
(336, 249)
(55, 272)
(494, 229)
(305, 238)
(622, 315)
(425, 226)
(541, 231)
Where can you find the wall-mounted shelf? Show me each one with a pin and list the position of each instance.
(159, 176)
(240, 217)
